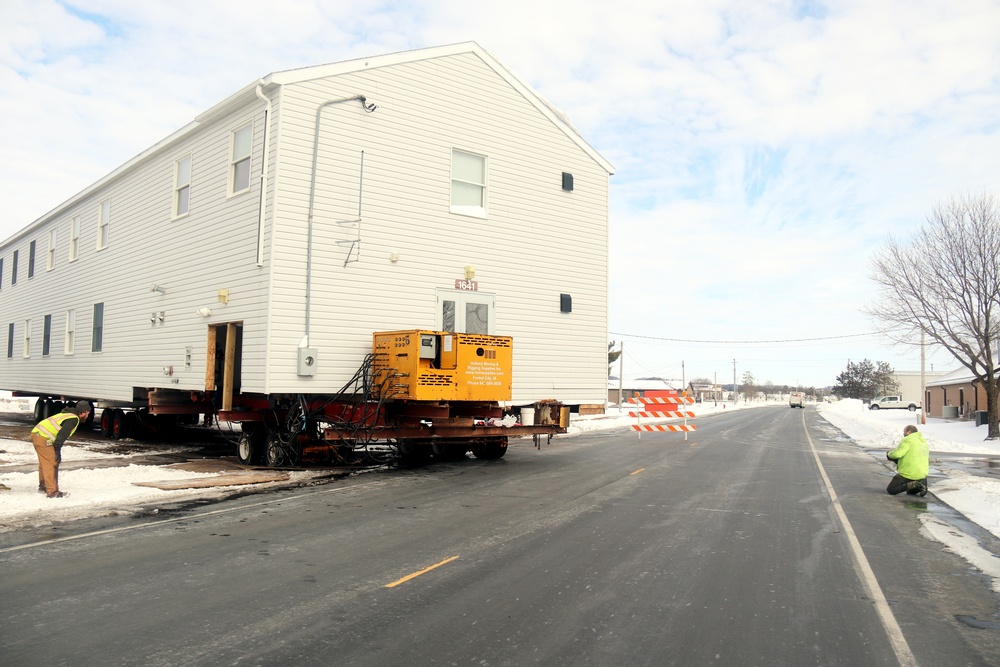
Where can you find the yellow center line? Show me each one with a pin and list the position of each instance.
(637, 471)
(417, 574)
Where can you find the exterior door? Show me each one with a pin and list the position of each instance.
(465, 311)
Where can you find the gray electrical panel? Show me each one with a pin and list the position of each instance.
(428, 346)
(307, 361)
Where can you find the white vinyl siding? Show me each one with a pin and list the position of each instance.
(541, 241)
(27, 339)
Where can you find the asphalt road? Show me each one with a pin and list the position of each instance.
(605, 549)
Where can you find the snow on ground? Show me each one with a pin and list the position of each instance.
(103, 491)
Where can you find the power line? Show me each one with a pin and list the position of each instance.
(743, 342)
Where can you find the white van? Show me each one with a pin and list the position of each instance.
(796, 399)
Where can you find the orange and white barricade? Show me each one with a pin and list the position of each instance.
(674, 402)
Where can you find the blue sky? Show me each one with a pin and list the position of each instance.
(763, 150)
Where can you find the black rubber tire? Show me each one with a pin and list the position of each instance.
(119, 424)
(490, 450)
(251, 448)
(106, 422)
(413, 455)
(449, 451)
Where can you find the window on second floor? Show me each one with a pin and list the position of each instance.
(182, 186)
(70, 331)
(103, 223)
(13, 269)
(1, 271)
(74, 238)
(31, 259)
(50, 258)
(240, 160)
(468, 183)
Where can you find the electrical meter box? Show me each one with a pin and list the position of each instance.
(442, 366)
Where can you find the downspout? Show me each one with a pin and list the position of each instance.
(263, 176)
(312, 201)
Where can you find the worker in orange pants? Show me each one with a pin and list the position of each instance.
(48, 437)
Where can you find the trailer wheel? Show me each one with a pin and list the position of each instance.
(449, 451)
(106, 422)
(39, 405)
(278, 454)
(413, 455)
(253, 441)
(119, 424)
(490, 450)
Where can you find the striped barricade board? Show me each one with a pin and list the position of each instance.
(675, 428)
(671, 401)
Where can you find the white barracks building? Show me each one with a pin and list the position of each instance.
(268, 239)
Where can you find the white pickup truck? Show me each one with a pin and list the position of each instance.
(893, 403)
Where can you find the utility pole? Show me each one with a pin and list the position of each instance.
(683, 380)
(735, 394)
(621, 375)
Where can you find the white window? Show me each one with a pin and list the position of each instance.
(182, 186)
(50, 260)
(70, 331)
(103, 222)
(27, 338)
(74, 238)
(468, 183)
(240, 162)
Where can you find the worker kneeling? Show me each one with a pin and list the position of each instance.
(912, 458)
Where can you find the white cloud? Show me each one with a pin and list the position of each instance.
(764, 147)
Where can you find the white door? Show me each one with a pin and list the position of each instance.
(465, 311)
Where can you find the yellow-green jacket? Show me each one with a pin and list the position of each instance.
(58, 428)
(912, 457)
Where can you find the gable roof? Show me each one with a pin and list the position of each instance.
(349, 66)
(276, 79)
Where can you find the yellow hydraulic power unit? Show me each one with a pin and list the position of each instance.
(442, 366)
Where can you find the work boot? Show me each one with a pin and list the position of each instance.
(923, 488)
(41, 488)
(57, 494)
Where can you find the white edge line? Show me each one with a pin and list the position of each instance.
(867, 576)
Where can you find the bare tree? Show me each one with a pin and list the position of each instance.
(945, 283)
